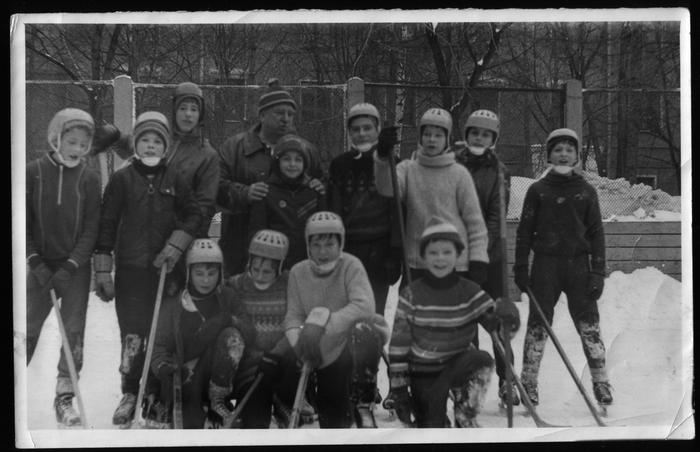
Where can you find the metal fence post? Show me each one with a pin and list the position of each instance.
(124, 108)
(574, 108)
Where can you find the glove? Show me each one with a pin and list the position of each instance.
(166, 368)
(522, 279)
(388, 138)
(210, 329)
(309, 344)
(596, 281)
(39, 271)
(478, 271)
(508, 314)
(317, 185)
(104, 286)
(60, 280)
(267, 367)
(177, 243)
(399, 400)
(105, 136)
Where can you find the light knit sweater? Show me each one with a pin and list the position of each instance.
(345, 291)
(437, 186)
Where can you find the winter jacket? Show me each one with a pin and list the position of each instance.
(63, 211)
(345, 291)
(437, 186)
(561, 217)
(192, 156)
(286, 208)
(139, 214)
(179, 329)
(265, 309)
(484, 171)
(244, 160)
(436, 319)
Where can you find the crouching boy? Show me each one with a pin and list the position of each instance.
(331, 324)
(431, 350)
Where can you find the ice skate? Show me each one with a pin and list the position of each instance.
(156, 414)
(125, 411)
(603, 394)
(219, 401)
(66, 415)
(364, 416)
(503, 394)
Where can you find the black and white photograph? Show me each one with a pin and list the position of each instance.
(403, 221)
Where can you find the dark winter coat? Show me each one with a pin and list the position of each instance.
(63, 211)
(138, 214)
(561, 217)
(244, 160)
(484, 171)
(195, 159)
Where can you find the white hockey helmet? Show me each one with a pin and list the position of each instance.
(204, 251)
(269, 244)
(436, 117)
(485, 119)
(558, 135)
(364, 109)
(65, 119)
(325, 222)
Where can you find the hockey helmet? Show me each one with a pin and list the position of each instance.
(189, 90)
(485, 119)
(325, 222)
(558, 135)
(364, 109)
(269, 244)
(437, 117)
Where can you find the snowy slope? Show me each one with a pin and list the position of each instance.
(641, 325)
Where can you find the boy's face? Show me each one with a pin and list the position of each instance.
(263, 271)
(75, 144)
(440, 257)
(563, 153)
(480, 137)
(278, 119)
(363, 130)
(291, 164)
(324, 249)
(433, 139)
(150, 144)
(187, 115)
(204, 277)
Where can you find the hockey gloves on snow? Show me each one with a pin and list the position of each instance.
(388, 137)
(522, 279)
(309, 345)
(177, 244)
(508, 314)
(62, 278)
(104, 285)
(477, 271)
(596, 282)
(39, 271)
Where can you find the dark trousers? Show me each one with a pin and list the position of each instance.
(73, 312)
(381, 262)
(429, 392)
(233, 242)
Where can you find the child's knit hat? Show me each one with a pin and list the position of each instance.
(152, 121)
(439, 229)
(189, 90)
(292, 142)
(275, 95)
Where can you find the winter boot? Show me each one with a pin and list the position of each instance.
(602, 392)
(65, 413)
(469, 399)
(503, 394)
(364, 417)
(219, 401)
(125, 410)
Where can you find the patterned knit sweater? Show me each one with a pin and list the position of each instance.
(265, 308)
(437, 186)
(436, 319)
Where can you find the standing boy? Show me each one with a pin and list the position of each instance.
(63, 211)
(561, 224)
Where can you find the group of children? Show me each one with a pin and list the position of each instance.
(312, 283)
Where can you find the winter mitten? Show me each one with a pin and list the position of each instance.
(210, 329)
(60, 280)
(508, 313)
(596, 282)
(379, 324)
(268, 368)
(388, 138)
(317, 185)
(177, 243)
(522, 279)
(477, 271)
(166, 368)
(309, 345)
(104, 285)
(105, 136)
(39, 271)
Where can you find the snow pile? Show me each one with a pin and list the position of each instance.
(619, 200)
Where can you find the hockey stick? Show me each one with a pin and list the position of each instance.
(69, 358)
(299, 396)
(399, 216)
(228, 423)
(177, 399)
(564, 358)
(138, 416)
(521, 389)
(506, 291)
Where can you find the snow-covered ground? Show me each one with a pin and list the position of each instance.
(649, 354)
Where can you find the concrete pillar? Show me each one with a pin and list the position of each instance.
(124, 111)
(574, 107)
(356, 91)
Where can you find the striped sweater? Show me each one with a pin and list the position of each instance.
(436, 319)
(265, 308)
